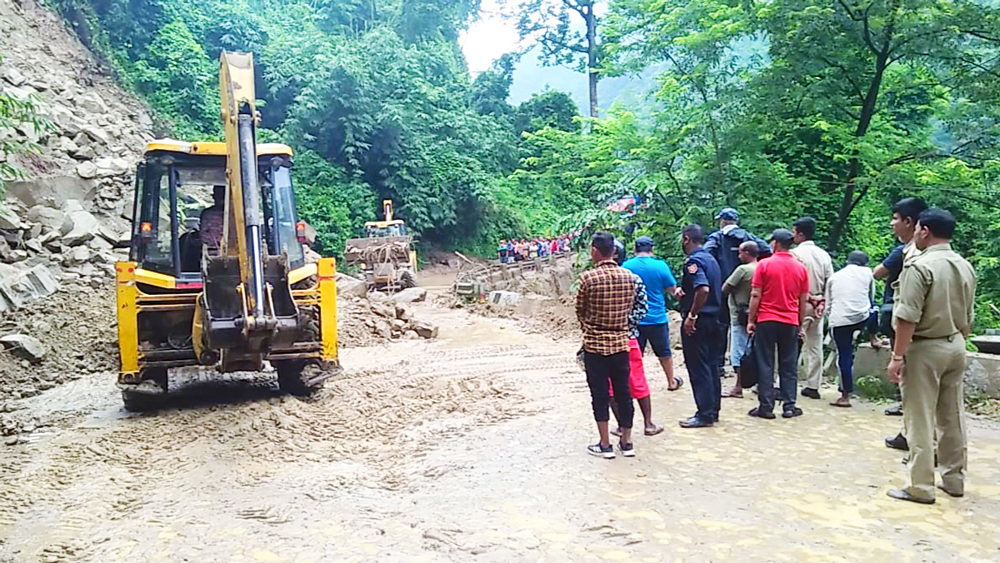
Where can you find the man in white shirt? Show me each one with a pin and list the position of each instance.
(849, 297)
(820, 268)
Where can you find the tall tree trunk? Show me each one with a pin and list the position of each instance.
(848, 202)
(592, 61)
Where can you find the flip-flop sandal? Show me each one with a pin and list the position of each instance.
(732, 395)
(656, 430)
(839, 404)
(680, 383)
(616, 432)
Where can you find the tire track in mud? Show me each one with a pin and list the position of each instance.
(64, 498)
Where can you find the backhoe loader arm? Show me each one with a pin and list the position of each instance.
(244, 214)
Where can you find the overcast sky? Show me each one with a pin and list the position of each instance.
(487, 38)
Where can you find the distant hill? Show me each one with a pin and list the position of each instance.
(531, 77)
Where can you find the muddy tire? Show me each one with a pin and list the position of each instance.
(290, 377)
(135, 401)
(407, 280)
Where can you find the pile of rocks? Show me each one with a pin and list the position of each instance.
(366, 319)
(42, 245)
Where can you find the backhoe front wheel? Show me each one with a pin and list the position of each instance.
(295, 376)
(149, 394)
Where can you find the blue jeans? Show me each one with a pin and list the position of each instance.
(738, 341)
(843, 336)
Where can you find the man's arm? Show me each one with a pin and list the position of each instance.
(754, 309)
(712, 244)
(904, 336)
(581, 302)
(880, 272)
(803, 298)
(640, 305)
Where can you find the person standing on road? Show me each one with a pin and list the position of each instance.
(702, 328)
(932, 316)
(820, 268)
(607, 301)
(905, 214)
(637, 383)
(738, 288)
(723, 245)
(654, 328)
(849, 296)
(777, 309)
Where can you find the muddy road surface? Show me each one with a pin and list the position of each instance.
(467, 448)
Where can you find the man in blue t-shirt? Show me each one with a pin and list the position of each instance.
(653, 328)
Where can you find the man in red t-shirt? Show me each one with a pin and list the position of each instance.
(780, 287)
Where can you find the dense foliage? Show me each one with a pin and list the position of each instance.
(375, 97)
(781, 109)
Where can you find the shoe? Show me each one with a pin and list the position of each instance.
(841, 402)
(897, 443)
(761, 414)
(894, 411)
(628, 450)
(791, 412)
(616, 432)
(695, 422)
(811, 393)
(900, 494)
(949, 493)
(600, 451)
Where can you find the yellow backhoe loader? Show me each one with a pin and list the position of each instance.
(385, 254)
(217, 274)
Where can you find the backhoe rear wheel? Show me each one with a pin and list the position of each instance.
(137, 401)
(293, 376)
(407, 279)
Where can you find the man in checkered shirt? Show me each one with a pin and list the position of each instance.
(608, 305)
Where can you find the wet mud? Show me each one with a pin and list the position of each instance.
(466, 448)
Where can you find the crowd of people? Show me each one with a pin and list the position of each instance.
(770, 303)
(518, 250)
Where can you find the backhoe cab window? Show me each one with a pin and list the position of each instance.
(171, 230)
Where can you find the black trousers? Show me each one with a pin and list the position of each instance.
(768, 337)
(601, 368)
(701, 354)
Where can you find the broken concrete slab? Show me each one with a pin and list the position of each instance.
(424, 329)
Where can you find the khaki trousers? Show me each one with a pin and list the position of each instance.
(811, 362)
(933, 395)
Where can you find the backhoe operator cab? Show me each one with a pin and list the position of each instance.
(180, 206)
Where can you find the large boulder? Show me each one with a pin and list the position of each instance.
(8, 219)
(50, 219)
(347, 286)
(107, 167)
(424, 329)
(410, 295)
(53, 191)
(79, 227)
(24, 346)
(13, 76)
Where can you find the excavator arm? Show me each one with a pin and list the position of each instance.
(247, 308)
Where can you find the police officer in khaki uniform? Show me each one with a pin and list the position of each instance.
(932, 315)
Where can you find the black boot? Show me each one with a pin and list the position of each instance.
(897, 443)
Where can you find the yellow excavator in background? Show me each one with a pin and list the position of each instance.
(217, 274)
(385, 254)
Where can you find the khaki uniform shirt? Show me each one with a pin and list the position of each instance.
(739, 294)
(820, 268)
(937, 292)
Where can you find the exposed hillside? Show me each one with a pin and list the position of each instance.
(96, 131)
